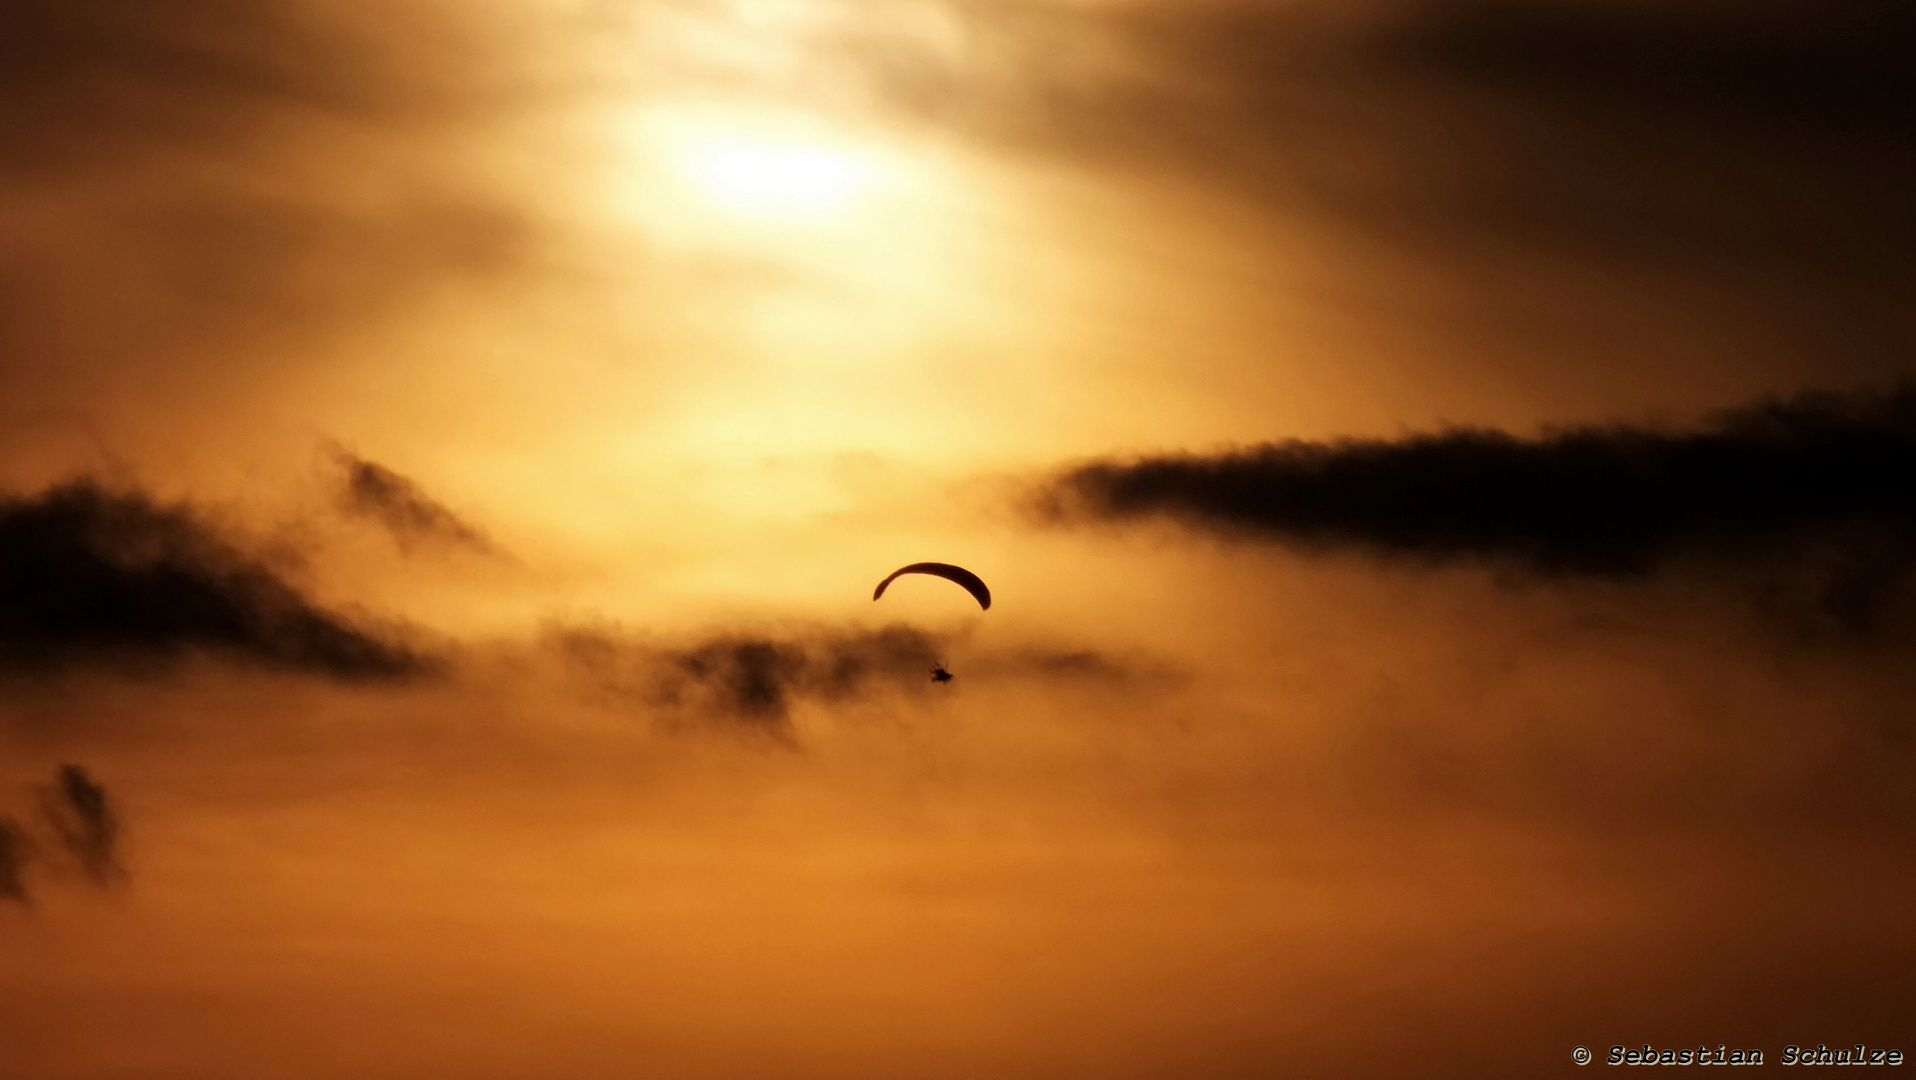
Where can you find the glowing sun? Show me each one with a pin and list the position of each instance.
(776, 178)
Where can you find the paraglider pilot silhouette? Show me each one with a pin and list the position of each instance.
(958, 575)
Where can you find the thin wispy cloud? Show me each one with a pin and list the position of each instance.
(754, 679)
(83, 818)
(413, 518)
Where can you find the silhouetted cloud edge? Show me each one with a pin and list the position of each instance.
(376, 493)
(1611, 500)
(95, 576)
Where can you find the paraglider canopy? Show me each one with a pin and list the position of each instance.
(971, 582)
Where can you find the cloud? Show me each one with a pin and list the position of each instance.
(94, 79)
(1698, 164)
(755, 679)
(13, 858)
(413, 518)
(751, 678)
(82, 817)
(1620, 500)
(1074, 665)
(1574, 110)
(188, 180)
(89, 575)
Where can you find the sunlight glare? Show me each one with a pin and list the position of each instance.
(776, 177)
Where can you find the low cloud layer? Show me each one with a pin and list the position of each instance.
(90, 575)
(1611, 500)
(756, 679)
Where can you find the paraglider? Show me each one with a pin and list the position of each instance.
(964, 578)
(958, 575)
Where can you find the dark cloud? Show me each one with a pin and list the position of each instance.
(1598, 124)
(89, 575)
(1760, 136)
(755, 679)
(82, 817)
(1746, 162)
(1791, 476)
(1838, 67)
(372, 491)
(13, 858)
(751, 678)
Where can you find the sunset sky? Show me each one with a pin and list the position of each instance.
(1445, 470)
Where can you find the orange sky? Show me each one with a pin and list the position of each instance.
(582, 349)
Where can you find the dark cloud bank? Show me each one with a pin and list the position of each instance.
(1723, 171)
(1819, 475)
(89, 575)
(1770, 132)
